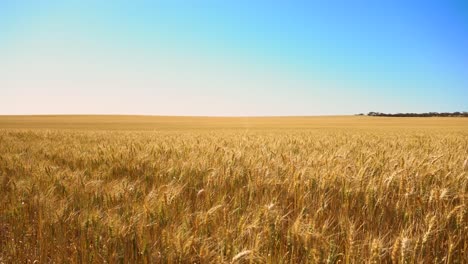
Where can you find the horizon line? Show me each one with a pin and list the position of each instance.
(202, 116)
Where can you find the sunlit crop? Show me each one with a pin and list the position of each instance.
(236, 192)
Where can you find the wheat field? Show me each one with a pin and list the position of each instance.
(140, 189)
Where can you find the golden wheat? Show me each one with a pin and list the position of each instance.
(258, 190)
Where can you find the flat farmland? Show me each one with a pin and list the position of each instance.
(146, 189)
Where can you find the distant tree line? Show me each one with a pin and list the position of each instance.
(430, 114)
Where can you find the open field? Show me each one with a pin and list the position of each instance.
(120, 189)
(116, 122)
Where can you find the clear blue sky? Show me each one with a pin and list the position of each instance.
(232, 57)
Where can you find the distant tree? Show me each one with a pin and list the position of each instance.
(430, 114)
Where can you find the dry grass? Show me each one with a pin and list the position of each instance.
(277, 190)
